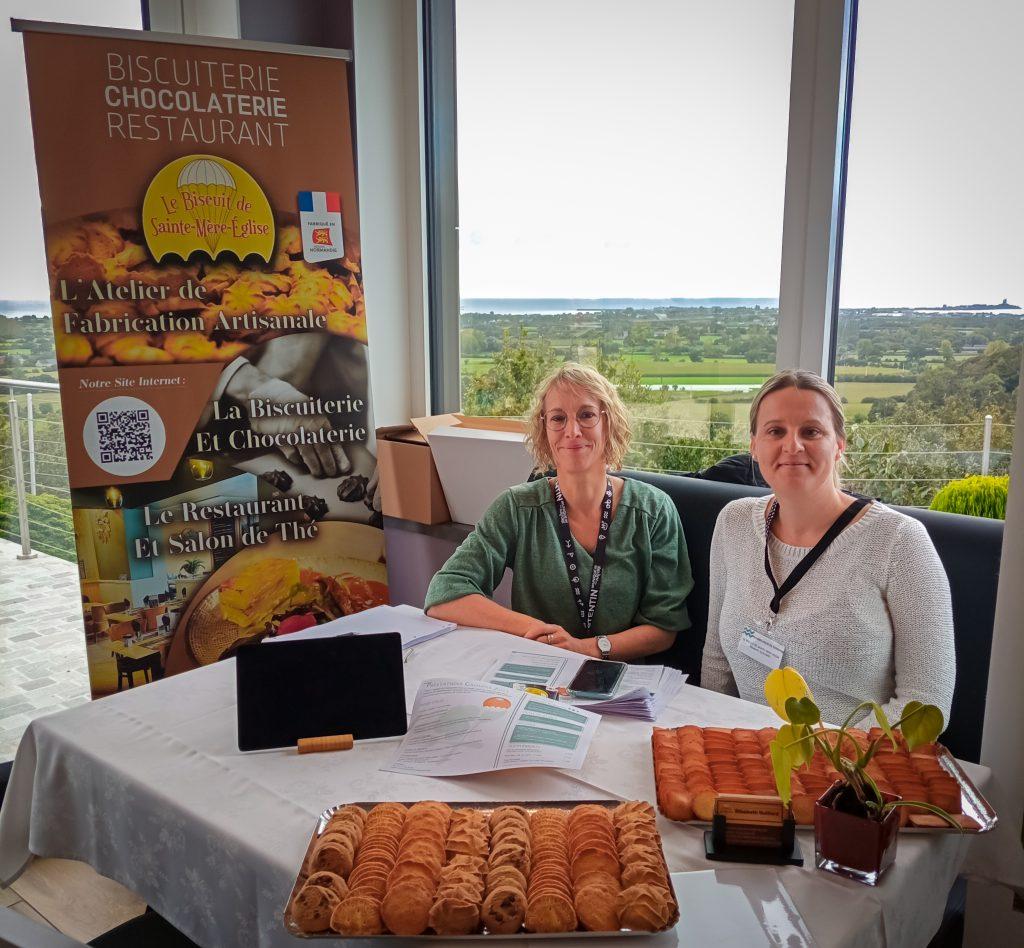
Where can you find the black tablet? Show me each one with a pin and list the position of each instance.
(349, 684)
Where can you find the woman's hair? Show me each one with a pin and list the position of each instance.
(583, 378)
(800, 378)
(808, 381)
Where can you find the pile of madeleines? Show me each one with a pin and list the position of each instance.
(431, 868)
(693, 765)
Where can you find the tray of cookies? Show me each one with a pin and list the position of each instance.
(483, 870)
(693, 765)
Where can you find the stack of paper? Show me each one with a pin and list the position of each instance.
(646, 701)
(644, 691)
(414, 627)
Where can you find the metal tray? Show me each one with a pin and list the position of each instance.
(972, 803)
(531, 806)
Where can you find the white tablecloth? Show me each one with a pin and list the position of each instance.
(148, 787)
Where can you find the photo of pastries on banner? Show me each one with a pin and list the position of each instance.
(280, 590)
(239, 306)
(491, 869)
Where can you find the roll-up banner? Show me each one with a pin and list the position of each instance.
(202, 242)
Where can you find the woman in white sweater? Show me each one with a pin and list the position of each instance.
(870, 619)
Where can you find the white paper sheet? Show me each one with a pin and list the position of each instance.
(460, 726)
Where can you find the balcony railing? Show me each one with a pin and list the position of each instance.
(903, 464)
(35, 507)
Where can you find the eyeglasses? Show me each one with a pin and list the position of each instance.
(585, 418)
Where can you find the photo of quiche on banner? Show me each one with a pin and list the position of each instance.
(239, 305)
(283, 589)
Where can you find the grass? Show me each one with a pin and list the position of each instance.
(676, 370)
(726, 371)
(848, 370)
(670, 378)
(856, 392)
(692, 408)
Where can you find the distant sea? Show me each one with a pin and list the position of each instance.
(543, 306)
(550, 306)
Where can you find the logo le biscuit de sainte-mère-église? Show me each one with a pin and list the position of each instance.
(208, 204)
(320, 222)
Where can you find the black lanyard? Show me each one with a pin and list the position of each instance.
(801, 568)
(588, 608)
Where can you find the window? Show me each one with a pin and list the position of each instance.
(26, 339)
(931, 323)
(621, 177)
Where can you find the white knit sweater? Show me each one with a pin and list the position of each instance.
(871, 620)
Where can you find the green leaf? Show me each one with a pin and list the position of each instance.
(802, 711)
(796, 741)
(921, 723)
(883, 723)
(783, 771)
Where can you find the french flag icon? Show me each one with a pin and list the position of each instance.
(320, 223)
(324, 201)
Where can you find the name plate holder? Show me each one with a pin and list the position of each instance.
(752, 829)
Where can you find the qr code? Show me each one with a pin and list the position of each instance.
(124, 436)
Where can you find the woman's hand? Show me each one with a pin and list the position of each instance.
(553, 635)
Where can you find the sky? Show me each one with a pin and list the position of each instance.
(610, 149)
(639, 150)
(22, 260)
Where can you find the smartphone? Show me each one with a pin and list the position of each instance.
(596, 679)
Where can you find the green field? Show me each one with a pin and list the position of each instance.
(690, 411)
(476, 365)
(671, 378)
(856, 392)
(848, 370)
(724, 371)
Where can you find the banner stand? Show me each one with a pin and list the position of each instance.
(201, 227)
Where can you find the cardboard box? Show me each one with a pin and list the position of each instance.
(476, 459)
(410, 487)
(449, 467)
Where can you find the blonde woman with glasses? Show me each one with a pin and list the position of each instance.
(598, 562)
(846, 590)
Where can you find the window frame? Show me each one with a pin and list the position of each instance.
(821, 85)
(441, 200)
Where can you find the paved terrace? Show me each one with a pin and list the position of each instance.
(42, 642)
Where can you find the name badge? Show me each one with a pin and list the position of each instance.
(760, 648)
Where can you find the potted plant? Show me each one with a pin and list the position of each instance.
(855, 823)
(191, 567)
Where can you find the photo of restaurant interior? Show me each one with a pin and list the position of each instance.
(511, 469)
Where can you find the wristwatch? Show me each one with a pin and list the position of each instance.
(604, 646)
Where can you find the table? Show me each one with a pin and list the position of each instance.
(148, 787)
(136, 658)
(122, 616)
(132, 651)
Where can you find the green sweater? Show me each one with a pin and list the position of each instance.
(647, 575)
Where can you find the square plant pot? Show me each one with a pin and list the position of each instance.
(853, 846)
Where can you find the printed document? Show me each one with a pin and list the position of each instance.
(468, 727)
